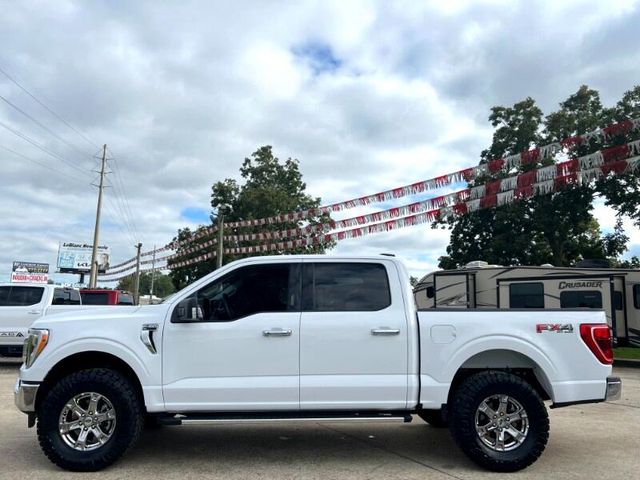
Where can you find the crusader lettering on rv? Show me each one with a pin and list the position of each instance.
(581, 284)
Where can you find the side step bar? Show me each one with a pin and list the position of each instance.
(296, 416)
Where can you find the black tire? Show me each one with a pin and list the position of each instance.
(129, 419)
(435, 418)
(466, 401)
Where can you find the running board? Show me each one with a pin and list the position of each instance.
(262, 417)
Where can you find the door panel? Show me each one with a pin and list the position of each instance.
(232, 365)
(353, 359)
(234, 344)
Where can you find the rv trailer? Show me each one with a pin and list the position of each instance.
(483, 286)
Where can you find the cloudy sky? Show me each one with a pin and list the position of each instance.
(368, 95)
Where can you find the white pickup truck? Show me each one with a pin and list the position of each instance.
(309, 337)
(21, 304)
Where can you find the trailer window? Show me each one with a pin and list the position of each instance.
(636, 296)
(581, 299)
(526, 295)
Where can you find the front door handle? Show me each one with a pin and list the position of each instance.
(277, 332)
(385, 331)
(34, 312)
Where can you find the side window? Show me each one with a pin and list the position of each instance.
(526, 295)
(243, 292)
(23, 296)
(4, 296)
(125, 299)
(95, 298)
(345, 287)
(636, 296)
(65, 296)
(581, 299)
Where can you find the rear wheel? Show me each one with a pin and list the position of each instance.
(89, 419)
(499, 421)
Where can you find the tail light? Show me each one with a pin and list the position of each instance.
(598, 338)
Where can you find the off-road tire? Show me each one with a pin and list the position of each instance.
(462, 420)
(434, 418)
(129, 419)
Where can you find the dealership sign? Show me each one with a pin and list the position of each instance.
(29, 272)
(76, 257)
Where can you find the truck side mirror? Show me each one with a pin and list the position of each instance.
(187, 311)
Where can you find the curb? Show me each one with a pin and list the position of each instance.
(626, 362)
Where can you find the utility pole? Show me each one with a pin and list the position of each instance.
(220, 236)
(153, 275)
(93, 278)
(136, 285)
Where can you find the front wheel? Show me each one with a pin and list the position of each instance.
(89, 419)
(499, 421)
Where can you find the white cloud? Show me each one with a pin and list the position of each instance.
(182, 93)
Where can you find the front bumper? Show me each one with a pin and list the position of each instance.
(24, 396)
(614, 389)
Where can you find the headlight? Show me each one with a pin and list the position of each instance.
(34, 345)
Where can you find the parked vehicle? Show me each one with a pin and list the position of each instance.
(482, 286)
(21, 304)
(103, 296)
(299, 337)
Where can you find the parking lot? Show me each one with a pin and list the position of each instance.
(587, 441)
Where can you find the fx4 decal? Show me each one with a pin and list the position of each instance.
(554, 327)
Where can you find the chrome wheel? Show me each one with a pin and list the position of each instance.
(87, 421)
(501, 423)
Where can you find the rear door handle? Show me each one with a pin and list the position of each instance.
(277, 332)
(34, 312)
(385, 331)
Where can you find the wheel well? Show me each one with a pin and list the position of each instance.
(506, 361)
(83, 361)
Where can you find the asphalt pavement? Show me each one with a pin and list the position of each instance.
(587, 441)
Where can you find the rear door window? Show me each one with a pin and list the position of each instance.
(345, 287)
(581, 299)
(17, 296)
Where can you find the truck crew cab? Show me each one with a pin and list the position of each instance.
(321, 337)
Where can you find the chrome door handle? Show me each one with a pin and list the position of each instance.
(277, 332)
(385, 331)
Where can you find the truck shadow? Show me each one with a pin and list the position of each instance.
(297, 446)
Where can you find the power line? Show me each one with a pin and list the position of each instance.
(123, 192)
(43, 148)
(50, 110)
(44, 127)
(49, 167)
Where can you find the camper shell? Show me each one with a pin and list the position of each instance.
(482, 286)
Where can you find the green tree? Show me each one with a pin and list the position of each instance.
(557, 228)
(269, 187)
(162, 285)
